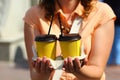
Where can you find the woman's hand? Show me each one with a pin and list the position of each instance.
(43, 67)
(73, 66)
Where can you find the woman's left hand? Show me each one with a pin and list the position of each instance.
(72, 66)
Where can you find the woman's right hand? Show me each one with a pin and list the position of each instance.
(43, 67)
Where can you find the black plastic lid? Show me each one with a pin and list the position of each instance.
(46, 38)
(69, 37)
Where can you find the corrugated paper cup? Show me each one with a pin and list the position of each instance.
(46, 46)
(70, 45)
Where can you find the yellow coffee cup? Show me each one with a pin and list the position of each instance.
(70, 45)
(46, 46)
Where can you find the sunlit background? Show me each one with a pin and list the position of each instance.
(13, 58)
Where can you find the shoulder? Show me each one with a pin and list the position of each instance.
(103, 12)
(104, 8)
(33, 15)
(35, 11)
(32, 10)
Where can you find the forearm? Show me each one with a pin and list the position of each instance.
(34, 75)
(100, 51)
(89, 72)
(37, 76)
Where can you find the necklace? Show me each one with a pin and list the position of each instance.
(64, 30)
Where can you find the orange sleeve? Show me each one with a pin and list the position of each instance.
(107, 14)
(31, 17)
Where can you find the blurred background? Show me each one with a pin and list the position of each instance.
(13, 58)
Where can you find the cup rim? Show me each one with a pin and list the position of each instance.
(46, 38)
(69, 37)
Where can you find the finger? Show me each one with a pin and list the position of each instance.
(70, 65)
(86, 60)
(48, 66)
(37, 65)
(65, 65)
(43, 65)
(77, 64)
(33, 63)
(82, 62)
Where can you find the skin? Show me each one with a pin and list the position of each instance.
(71, 5)
(41, 68)
(95, 63)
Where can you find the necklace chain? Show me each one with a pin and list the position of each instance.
(64, 30)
